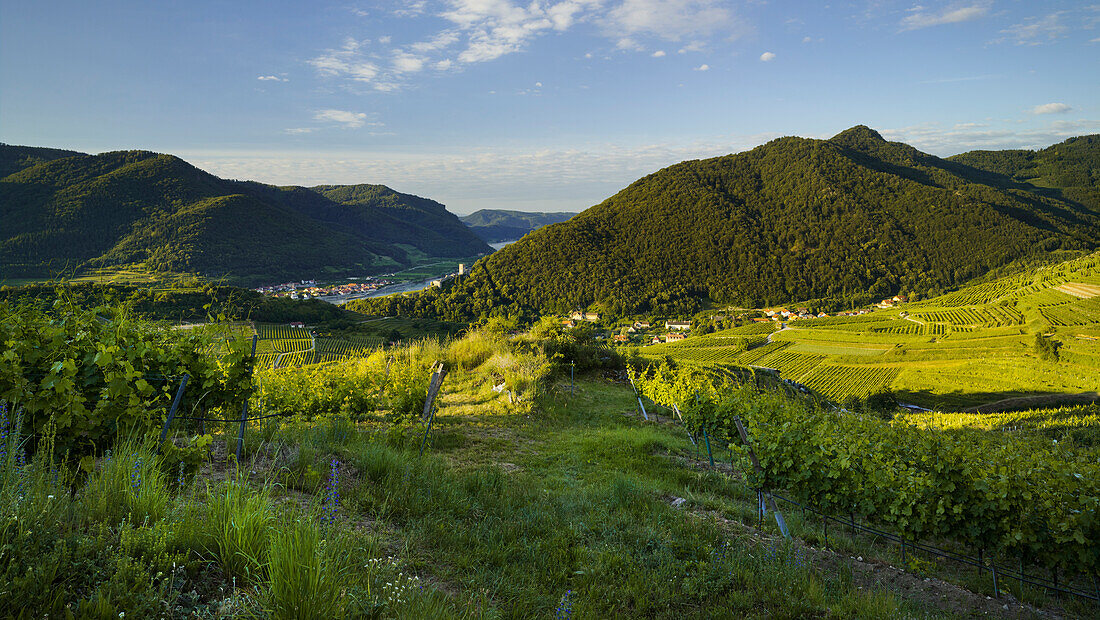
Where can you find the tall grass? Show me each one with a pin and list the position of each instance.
(307, 570)
(238, 529)
(129, 484)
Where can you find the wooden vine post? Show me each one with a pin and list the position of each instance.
(760, 471)
(244, 409)
(439, 371)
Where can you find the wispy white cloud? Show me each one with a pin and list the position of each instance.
(296, 131)
(404, 62)
(671, 20)
(347, 61)
(702, 67)
(271, 78)
(1036, 30)
(477, 31)
(694, 46)
(767, 56)
(1051, 108)
(348, 119)
(658, 54)
(411, 9)
(494, 28)
(919, 17)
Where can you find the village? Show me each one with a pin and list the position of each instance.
(652, 332)
(309, 289)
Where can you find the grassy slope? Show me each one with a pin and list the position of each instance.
(515, 510)
(985, 355)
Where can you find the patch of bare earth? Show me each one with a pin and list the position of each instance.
(1079, 289)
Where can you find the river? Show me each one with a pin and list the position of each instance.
(401, 287)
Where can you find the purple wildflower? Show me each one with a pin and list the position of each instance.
(135, 475)
(332, 494)
(565, 606)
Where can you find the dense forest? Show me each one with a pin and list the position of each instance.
(65, 212)
(850, 219)
(495, 225)
(1068, 170)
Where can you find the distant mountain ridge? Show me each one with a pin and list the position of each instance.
(847, 220)
(496, 225)
(70, 211)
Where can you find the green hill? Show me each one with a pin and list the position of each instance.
(848, 219)
(67, 212)
(16, 158)
(1068, 170)
(495, 225)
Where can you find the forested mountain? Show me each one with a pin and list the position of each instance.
(495, 225)
(65, 212)
(850, 219)
(1068, 170)
(15, 158)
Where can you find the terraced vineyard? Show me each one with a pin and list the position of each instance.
(711, 355)
(1081, 312)
(266, 360)
(840, 382)
(989, 316)
(282, 332)
(284, 346)
(966, 348)
(338, 347)
(290, 345)
(791, 365)
(753, 356)
(908, 328)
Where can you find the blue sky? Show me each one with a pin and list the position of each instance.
(534, 105)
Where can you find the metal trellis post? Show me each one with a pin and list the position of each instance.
(172, 410)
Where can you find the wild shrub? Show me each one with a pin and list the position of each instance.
(474, 349)
(350, 388)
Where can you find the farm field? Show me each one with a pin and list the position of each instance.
(963, 349)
